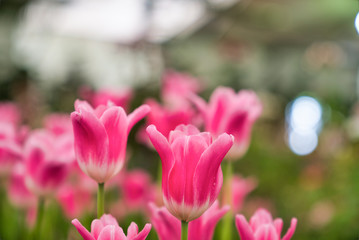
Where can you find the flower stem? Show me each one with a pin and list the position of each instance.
(39, 217)
(184, 228)
(226, 231)
(100, 200)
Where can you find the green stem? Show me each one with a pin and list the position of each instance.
(184, 232)
(226, 232)
(100, 200)
(39, 217)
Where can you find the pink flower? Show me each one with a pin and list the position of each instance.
(169, 227)
(262, 227)
(58, 123)
(11, 153)
(47, 160)
(191, 172)
(177, 87)
(101, 137)
(9, 113)
(232, 113)
(166, 119)
(119, 97)
(239, 189)
(19, 194)
(74, 200)
(137, 189)
(107, 228)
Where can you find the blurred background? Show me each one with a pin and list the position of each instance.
(301, 57)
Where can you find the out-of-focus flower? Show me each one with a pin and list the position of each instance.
(203, 227)
(169, 227)
(191, 172)
(10, 154)
(74, 200)
(177, 87)
(232, 113)
(47, 160)
(137, 189)
(58, 123)
(9, 113)
(107, 228)
(19, 194)
(262, 226)
(119, 97)
(101, 137)
(239, 189)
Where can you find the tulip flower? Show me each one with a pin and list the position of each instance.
(101, 140)
(58, 123)
(191, 172)
(107, 228)
(176, 88)
(262, 226)
(192, 177)
(9, 113)
(202, 228)
(232, 113)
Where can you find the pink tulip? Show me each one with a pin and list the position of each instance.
(101, 137)
(58, 123)
(9, 113)
(191, 172)
(232, 113)
(137, 189)
(19, 194)
(107, 228)
(47, 161)
(119, 97)
(11, 153)
(240, 188)
(177, 87)
(166, 119)
(169, 227)
(262, 227)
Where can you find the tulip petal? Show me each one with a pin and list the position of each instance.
(132, 230)
(111, 232)
(82, 230)
(291, 230)
(96, 228)
(91, 143)
(266, 232)
(244, 230)
(143, 234)
(278, 224)
(162, 146)
(115, 122)
(207, 170)
(83, 106)
(137, 115)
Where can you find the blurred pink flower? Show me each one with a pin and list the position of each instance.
(74, 200)
(169, 227)
(262, 226)
(101, 137)
(11, 153)
(137, 189)
(9, 113)
(107, 228)
(47, 160)
(58, 123)
(239, 189)
(19, 194)
(119, 97)
(232, 113)
(191, 172)
(176, 88)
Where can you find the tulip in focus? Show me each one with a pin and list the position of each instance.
(107, 228)
(101, 137)
(261, 226)
(191, 172)
(232, 113)
(202, 228)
